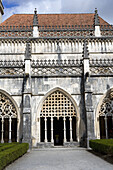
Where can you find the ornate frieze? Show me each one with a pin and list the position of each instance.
(12, 68)
(57, 68)
(101, 67)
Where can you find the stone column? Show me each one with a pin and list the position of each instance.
(10, 129)
(88, 104)
(27, 93)
(52, 140)
(45, 130)
(71, 138)
(106, 127)
(65, 130)
(89, 113)
(2, 131)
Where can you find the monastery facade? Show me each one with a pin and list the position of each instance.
(56, 79)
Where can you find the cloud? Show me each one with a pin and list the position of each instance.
(61, 6)
(105, 7)
(27, 6)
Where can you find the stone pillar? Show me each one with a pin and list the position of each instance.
(88, 104)
(2, 131)
(71, 138)
(65, 130)
(89, 113)
(45, 130)
(52, 140)
(27, 92)
(26, 118)
(106, 127)
(10, 129)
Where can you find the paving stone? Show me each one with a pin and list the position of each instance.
(60, 159)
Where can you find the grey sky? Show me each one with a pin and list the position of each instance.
(105, 7)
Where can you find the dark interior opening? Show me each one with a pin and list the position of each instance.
(14, 130)
(102, 127)
(49, 129)
(6, 130)
(58, 131)
(74, 129)
(42, 129)
(110, 127)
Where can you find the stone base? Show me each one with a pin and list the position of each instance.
(51, 145)
(45, 145)
(70, 144)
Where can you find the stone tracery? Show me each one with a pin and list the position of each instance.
(8, 114)
(106, 116)
(58, 105)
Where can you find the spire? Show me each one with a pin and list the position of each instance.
(28, 50)
(96, 18)
(1, 10)
(35, 19)
(85, 50)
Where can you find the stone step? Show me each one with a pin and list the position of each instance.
(58, 148)
(51, 145)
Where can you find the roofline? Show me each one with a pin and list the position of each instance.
(53, 14)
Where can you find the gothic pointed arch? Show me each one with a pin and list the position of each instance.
(64, 92)
(104, 118)
(59, 105)
(9, 116)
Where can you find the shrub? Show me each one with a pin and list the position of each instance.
(7, 146)
(9, 155)
(104, 146)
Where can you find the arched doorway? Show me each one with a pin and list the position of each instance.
(8, 119)
(58, 119)
(106, 116)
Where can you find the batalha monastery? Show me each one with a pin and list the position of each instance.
(56, 79)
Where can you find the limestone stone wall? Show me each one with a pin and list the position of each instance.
(40, 86)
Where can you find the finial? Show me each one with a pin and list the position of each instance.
(96, 18)
(35, 11)
(35, 19)
(96, 11)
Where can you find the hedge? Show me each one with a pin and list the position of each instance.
(7, 146)
(9, 155)
(104, 146)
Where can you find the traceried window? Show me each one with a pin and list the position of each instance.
(58, 105)
(8, 120)
(58, 119)
(106, 117)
